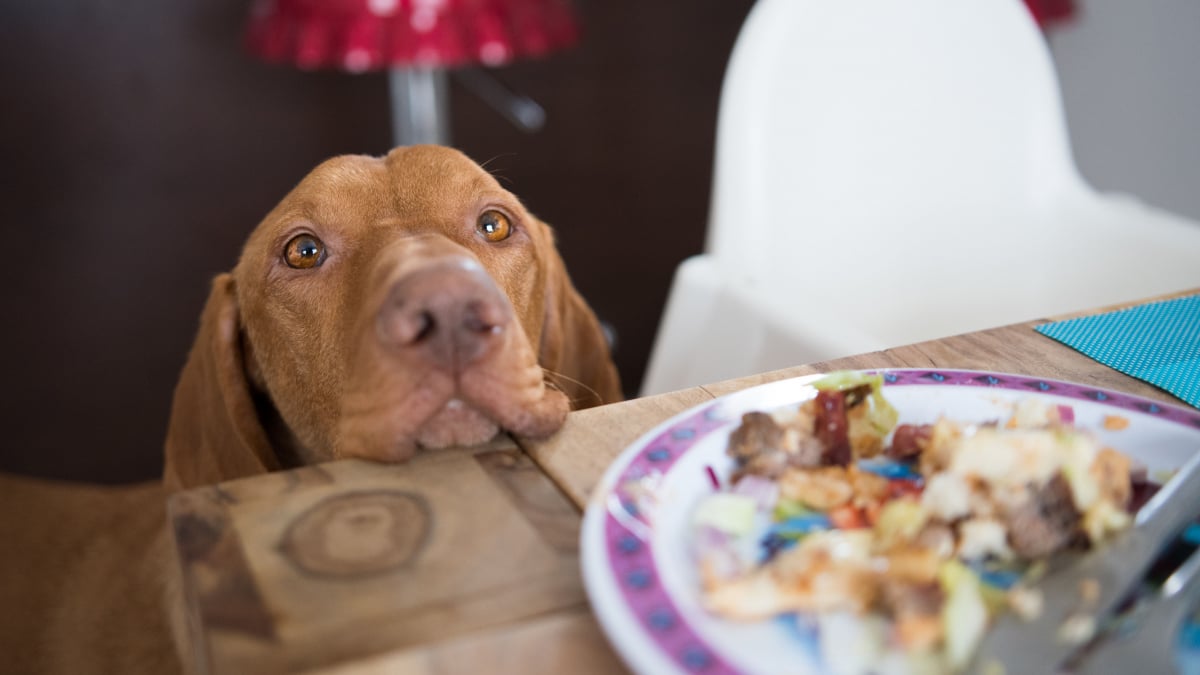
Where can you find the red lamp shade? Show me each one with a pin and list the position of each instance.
(364, 35)
(1050, 12)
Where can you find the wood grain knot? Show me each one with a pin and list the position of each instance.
(358, 534)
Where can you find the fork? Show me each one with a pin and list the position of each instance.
(1150, 646)
(1021, 647)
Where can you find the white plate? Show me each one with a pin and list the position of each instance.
(642, 582)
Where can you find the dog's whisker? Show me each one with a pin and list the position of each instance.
(485, 163)
(495, 173)
(548, 374)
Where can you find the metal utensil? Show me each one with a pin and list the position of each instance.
(1042, 644)
(1149, 647)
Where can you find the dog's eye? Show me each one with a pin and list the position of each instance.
(304, 251)
(494, 226)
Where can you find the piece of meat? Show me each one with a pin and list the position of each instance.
(909, 440)
(1044, 523)
(1141, 491)
(764, 447)
(832, 428)
(757, 446)
(757, 432)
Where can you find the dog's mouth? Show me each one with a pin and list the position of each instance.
(456, 423)
(441, 411)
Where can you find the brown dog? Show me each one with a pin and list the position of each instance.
(387, 305)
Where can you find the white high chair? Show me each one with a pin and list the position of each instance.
(890, 172)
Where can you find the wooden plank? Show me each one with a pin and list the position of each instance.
(564, 642)
(310, 568)
(577, 456)
(1015, 349)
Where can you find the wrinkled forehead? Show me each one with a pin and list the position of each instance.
(410, 183)
(426, 175)
(410, 180)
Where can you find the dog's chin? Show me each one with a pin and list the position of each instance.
(456, 424)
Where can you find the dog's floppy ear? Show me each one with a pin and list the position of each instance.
(214, 433)
(573, 347)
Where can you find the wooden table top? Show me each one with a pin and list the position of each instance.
(463, 561)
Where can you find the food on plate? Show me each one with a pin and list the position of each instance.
(905, 539)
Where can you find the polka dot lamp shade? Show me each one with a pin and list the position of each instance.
(1051, 12)
(367, 35)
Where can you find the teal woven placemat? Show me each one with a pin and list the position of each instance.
(1158, 343)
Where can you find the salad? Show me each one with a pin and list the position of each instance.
(902, 540)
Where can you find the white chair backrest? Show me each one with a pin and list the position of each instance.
(893, 171)
(836, 115)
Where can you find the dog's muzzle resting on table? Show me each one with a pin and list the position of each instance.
(385, 306)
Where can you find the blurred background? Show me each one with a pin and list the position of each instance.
(141, 142)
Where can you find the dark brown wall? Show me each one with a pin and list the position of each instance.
(139, 145)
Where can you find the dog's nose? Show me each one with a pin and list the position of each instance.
(451, 312)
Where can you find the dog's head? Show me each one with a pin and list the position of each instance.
(385, 305)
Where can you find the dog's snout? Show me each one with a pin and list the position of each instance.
(452, 313)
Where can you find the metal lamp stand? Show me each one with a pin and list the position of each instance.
(420, 103)
(420, 110)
